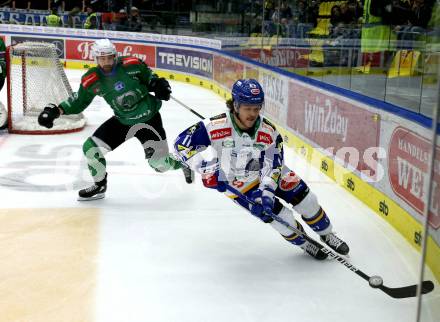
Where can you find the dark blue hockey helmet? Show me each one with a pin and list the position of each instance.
(247, 91)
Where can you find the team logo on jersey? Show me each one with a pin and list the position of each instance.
(228, 143)
(289, 181)
(264, 137)
(127, 101)
(119, 86)
(221, 133)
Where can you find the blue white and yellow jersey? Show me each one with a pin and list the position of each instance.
(246, 159)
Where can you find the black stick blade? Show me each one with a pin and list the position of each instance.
(407, 291)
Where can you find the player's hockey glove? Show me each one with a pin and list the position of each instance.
(264, 203)
(215, 180)
(49, 114)
(161, 88)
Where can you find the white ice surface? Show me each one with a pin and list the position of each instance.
(175, 252)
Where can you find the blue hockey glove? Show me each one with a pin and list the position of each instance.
(264, 203)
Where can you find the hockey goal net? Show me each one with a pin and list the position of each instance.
(36, 77)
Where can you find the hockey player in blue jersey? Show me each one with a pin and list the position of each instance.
(247, 153)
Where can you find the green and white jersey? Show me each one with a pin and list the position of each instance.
(125, 89)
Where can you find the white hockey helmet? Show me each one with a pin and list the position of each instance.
(103, 47)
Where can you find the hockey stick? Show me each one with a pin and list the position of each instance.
(187, 107)
(373, 281)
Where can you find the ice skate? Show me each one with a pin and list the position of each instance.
(94, 192)
(314, 249)
(335, 243)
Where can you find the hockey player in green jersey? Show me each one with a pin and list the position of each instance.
(125, 83)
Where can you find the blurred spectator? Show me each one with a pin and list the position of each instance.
(136, 20)
(283, 28)
(308, 11)
(53, 20)
(57, 5)
(107, 20)
(377, 36)
(92, 19)
(256, 29)
(421, 13)
(285, 10)
(269, 7)
(251, 6)
(401, 12)
(21, 4)
(343, 24)
(275, 15)
(417, 19)
(352, 12)
(73, 7)
(121, 20)
(336, 18)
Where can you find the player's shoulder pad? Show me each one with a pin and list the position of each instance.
(90, 77)
(218, 117)
(129, 60)
(268, 124)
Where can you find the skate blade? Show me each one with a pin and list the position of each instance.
(96, 197)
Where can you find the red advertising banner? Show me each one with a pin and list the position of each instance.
(227, 71)
(282, 57)
(342, 128)
(82, 50)
(408, 159)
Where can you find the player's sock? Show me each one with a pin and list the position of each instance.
(96, 191)
(310, 247)
(335, 243)
(319, 222)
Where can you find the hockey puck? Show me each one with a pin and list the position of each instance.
(375, 281)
